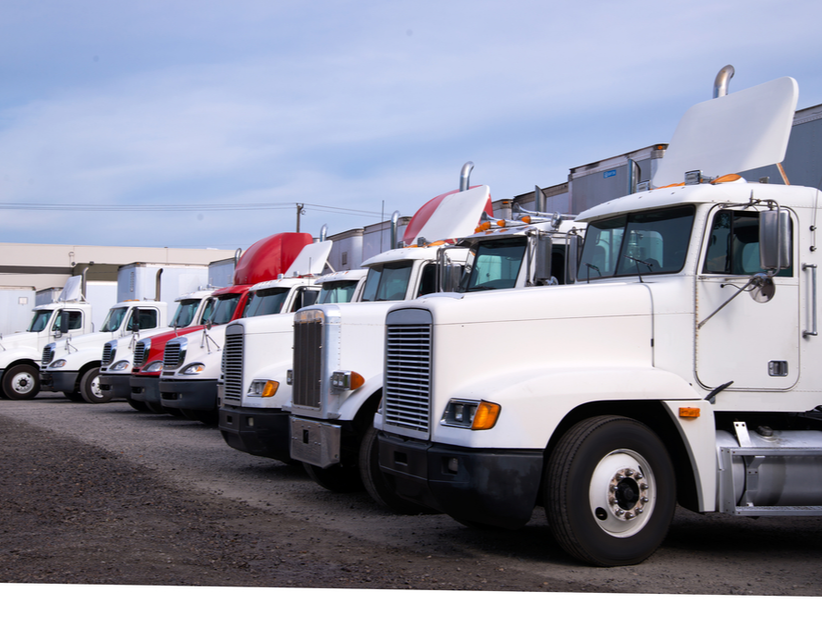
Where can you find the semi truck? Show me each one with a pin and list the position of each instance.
(336, 374)
(78, 310)
(256, 358)
(264, 260)
(193, 310)
(192, 363)
(687, 372)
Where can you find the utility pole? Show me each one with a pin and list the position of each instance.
(300, 210)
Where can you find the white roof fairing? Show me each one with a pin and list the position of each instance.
(733, 133)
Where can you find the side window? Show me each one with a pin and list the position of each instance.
(428, 280)
(75, 320)
(147, 319)
(306, 297)
(733, 244)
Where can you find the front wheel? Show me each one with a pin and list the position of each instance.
(90, 387)
(375, 482)
(610, 491)
(336, 478)
(21, 382)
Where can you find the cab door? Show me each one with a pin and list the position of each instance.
(752, 341)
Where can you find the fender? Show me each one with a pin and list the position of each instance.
(534, 403)
(352, 405)
(14, 355)
(274, 372)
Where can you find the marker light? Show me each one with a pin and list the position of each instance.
(689, 412)
(526, 219)
(486, 416)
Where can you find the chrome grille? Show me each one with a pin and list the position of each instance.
(140, 353)
(308, 347)
(407, 393)
(48, 354)
(109, 351)
(172, 355)
(233, 363)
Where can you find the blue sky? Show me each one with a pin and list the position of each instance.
(357, 107)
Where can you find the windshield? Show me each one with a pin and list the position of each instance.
(185, 313)
(208, 310)
(641, 243)
(266, 302)
(495, 266)
(224, 311)
(39, 321)
(337, 292)
(114, 319)
(387, 281)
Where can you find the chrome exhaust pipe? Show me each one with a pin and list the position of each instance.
(465, 176)
(722, 80)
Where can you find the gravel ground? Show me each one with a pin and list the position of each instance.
(105, 495)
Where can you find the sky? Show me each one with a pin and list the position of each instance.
(203, 123)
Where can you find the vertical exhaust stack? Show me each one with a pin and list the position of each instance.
(323, 233)
(83, 281)
(465, 176)
(539, 200)
(395, 220)
(723, 78)
(157, 285)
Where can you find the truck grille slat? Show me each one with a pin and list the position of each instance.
(233, 364)
(308, 341)
(172, 355)
(140, 353)
(109, 349)
(407, 395)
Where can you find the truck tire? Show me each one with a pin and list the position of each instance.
(90, 387)
(21, 382)
(374, 480)
(336, 479)
(610, 491)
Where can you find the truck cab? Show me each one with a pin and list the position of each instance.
(257, 355)
(686, 374)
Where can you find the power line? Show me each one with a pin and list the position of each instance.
(79, 207)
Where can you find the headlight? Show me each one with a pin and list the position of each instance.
(154, 367)
(122, 365)
(263, 388)
(476, 415)
(193, 369)
(58, 364)
(346, 380)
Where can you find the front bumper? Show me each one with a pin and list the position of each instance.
(146, 389)
(261, 433)
(194, 394)
(496, 487)
(58, 381)
(118, 384)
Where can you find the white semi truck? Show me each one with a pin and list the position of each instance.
(337, 365)
(192, 363)
(680, 367)
(70, 315)
(258, 353)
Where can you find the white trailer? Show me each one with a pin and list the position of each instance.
(680, 367)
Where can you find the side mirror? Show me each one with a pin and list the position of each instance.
(135, 320)
(64, 322)
(451, 277)
(775, 240)
(572, 253)
(542, 267)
